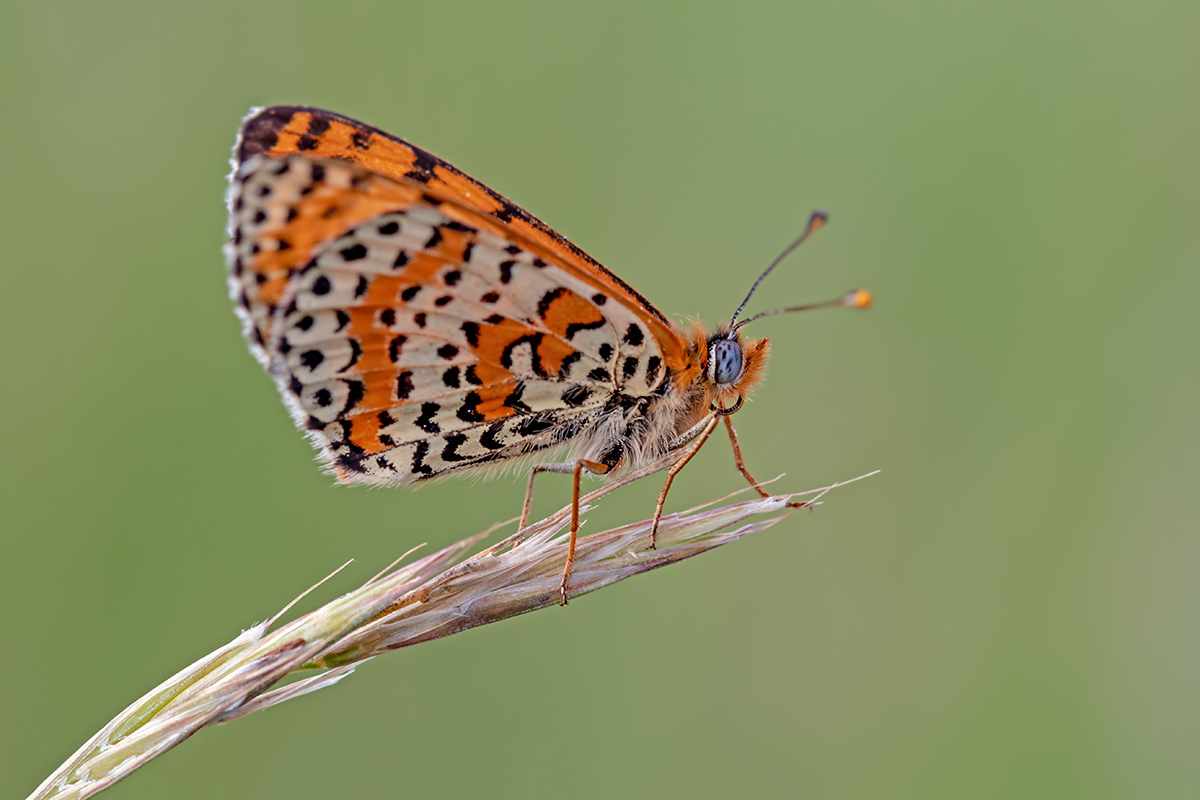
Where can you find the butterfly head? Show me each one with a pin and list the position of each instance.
(732, 368)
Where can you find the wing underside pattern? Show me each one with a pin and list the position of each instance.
(412, 337)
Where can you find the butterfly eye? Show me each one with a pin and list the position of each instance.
(725, 361)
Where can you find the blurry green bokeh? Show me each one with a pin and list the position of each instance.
(1008, 610)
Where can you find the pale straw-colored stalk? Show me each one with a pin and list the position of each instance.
(426, 599)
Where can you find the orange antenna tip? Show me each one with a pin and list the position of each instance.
(859, 298)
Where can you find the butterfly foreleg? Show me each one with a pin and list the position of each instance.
(700, 439)
(741, 464)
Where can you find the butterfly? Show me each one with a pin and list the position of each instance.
(421, 325)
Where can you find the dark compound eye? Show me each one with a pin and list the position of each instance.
(725, 361)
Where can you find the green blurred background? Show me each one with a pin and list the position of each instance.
(1008, 610)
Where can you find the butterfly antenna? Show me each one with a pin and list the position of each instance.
(859, 298)
(815, 221)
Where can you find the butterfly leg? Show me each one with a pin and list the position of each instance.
(741, 464)
(527, 506)
(596, 468)
(576, 469)
(674, 470)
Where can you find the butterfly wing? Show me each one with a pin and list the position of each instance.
(417, 323)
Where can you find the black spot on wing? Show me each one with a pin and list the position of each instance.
(515, 401)
(576, 396)
(355, 390)
(355, 252)
(355, 354)
(425, 421)
(404, 384)
(317, 126)
(312, 359)
(543, 306)
(423, 162)
(489, 438)
(536, 423)
(534, 340)
(652, 365)
(394, 347)
(419, 467)
(453, 442)
(468, 411)
(575, 327)
(352, 462)
(564, 369)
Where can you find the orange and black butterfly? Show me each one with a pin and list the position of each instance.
(419, 324)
